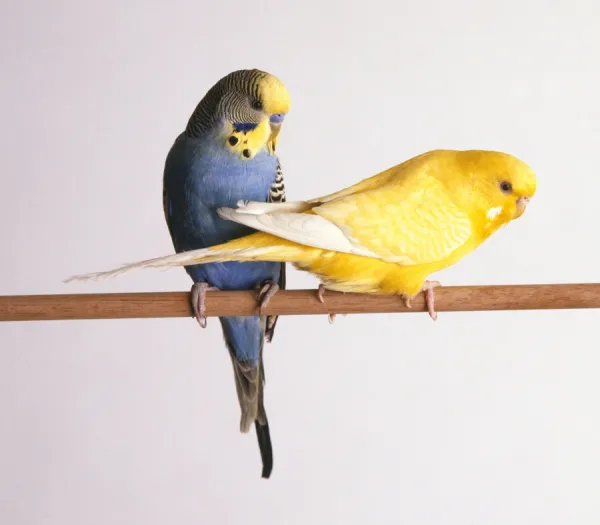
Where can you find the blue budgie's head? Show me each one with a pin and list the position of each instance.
(245, 110)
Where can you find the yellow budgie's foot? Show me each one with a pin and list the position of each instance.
(266, 293)
(428, 287)
(198, 299)
(427, 290)
(320, 294)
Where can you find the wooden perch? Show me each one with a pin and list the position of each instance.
(295, 302)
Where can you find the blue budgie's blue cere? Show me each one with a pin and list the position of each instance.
(200, 177)
(244, 126)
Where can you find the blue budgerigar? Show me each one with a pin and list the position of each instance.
(227, 154)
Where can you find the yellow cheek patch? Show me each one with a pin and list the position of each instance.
(493, 213)
(247, 142)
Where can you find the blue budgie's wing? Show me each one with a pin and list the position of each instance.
(276, 194)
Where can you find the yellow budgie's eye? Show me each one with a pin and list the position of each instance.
(506, 186)
(257, 104)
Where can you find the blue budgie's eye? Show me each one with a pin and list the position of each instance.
(256, 104)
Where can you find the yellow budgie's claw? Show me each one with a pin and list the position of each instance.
(320, 296)
(321, 293)
(427, 290)
(430, 297)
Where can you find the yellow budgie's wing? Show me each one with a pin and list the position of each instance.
(409, 221)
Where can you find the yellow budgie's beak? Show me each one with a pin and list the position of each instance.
(522, 203)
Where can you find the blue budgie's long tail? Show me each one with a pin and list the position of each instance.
(262, 429)
(244, 337)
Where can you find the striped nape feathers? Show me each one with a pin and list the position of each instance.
(245, 110)
(277, 189)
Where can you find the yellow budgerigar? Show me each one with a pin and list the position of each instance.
(384, 235)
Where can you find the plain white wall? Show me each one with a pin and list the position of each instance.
(482, 418)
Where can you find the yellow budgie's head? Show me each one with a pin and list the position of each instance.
(245, 109)
(498, 185)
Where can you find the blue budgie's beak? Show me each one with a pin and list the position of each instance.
(275, 121)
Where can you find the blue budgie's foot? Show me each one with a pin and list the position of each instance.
(198, 299)
(427, 290)
(266, 293)
(320, 294)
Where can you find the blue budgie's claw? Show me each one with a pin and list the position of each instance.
(266, 293)
(198, 299)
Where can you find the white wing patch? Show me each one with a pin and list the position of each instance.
(310, 230)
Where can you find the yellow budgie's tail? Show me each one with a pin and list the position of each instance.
(255, 247)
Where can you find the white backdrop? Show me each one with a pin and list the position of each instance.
(480, 418)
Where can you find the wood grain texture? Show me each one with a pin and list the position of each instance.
(295, 302)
